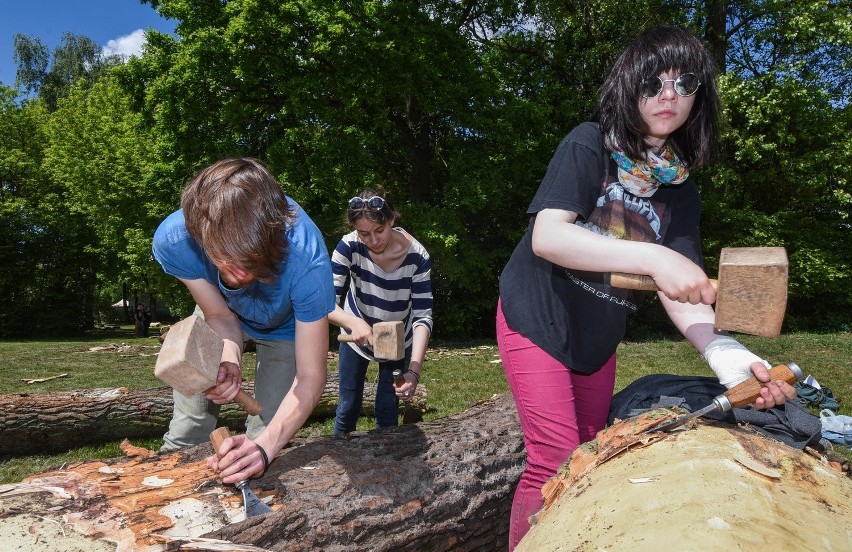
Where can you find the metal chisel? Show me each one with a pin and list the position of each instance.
(740, 395)
(252, 504)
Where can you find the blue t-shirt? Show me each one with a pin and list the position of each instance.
(304, 289)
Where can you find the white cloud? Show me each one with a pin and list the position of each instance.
(126, 46)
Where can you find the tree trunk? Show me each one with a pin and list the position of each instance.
(55, 422)
(706, 486)
(442, 485)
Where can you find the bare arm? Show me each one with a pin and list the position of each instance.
(311, 361)
(559, 240)
(361, 331)
(225, 323)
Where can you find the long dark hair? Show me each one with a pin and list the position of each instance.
(654, 52)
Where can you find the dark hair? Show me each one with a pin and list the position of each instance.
(381, 216)
(654, 52)
(237, 212)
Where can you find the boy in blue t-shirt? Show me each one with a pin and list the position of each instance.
(258, 269)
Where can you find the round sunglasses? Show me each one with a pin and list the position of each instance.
(685, 85)
(375, 203)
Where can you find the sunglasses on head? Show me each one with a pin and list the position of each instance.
(375, 203)
(685, 85)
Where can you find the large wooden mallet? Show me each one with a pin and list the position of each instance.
(751, 292)
(388, 340)
(189, 360)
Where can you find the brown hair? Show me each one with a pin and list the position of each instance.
(237, 212)
(380, 216)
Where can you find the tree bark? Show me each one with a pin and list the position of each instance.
(441, 485)
(46, 423)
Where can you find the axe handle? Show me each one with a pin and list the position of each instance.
(641, 282)
(248, 403)
(345, 338)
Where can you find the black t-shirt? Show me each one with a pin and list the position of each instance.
(577, 317)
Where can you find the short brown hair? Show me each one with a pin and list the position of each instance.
(238, 213)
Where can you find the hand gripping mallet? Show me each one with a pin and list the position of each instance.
(189, 361)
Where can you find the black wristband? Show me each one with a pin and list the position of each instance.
(265, 458)
(415, 374)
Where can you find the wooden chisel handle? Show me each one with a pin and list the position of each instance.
(217, 437)
(641, 282)
(748, 391)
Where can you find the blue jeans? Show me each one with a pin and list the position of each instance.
(352, 370)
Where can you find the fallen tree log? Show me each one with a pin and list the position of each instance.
(44, 423)
(441, 485)
(709, 487)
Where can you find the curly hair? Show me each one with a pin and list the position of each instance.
(652, 53)
(238, 213)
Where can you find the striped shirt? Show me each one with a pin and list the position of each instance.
(378, 296)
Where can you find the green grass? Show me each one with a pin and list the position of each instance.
(456, 375)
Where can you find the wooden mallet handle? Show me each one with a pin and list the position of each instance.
(641, 282)
(249, 404)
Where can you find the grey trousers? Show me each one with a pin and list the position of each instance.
(195, 417)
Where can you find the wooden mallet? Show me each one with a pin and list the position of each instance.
(751, 292)
(189, 360)
(388, 340)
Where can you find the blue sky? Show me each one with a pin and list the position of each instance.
(113, 24)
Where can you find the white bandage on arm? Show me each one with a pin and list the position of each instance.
(730, 360)
(232, 352)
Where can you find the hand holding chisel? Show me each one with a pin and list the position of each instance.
(742, 394)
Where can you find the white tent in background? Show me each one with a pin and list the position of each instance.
(121, 303)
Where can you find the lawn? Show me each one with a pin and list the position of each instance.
(456, 375)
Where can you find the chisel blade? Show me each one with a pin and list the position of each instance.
(254, 506)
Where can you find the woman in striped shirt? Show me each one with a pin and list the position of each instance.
(389, 280)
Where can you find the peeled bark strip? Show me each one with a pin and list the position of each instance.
(47, 423)
(711, 487)
(442, 485)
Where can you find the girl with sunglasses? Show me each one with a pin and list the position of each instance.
(617, 197)
(389, 280)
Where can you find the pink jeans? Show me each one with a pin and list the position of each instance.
(559, 410)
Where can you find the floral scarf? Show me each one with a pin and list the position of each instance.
(643, 178)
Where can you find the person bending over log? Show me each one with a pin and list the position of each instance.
(617, 197)
(258, 269)
(389, 280)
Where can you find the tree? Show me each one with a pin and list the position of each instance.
(77, 57)
(47, 277)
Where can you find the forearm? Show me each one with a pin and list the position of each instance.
(343, 319)
(695, 322)
(308, 386)
(419, 344)
(558, 239)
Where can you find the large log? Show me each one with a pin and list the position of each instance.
(47, 423)
(441, 485)
(708, 487)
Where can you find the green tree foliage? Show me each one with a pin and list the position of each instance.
(47, 277)
(102, 156)
(454, 108)
(76, 58)
(781, 179)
